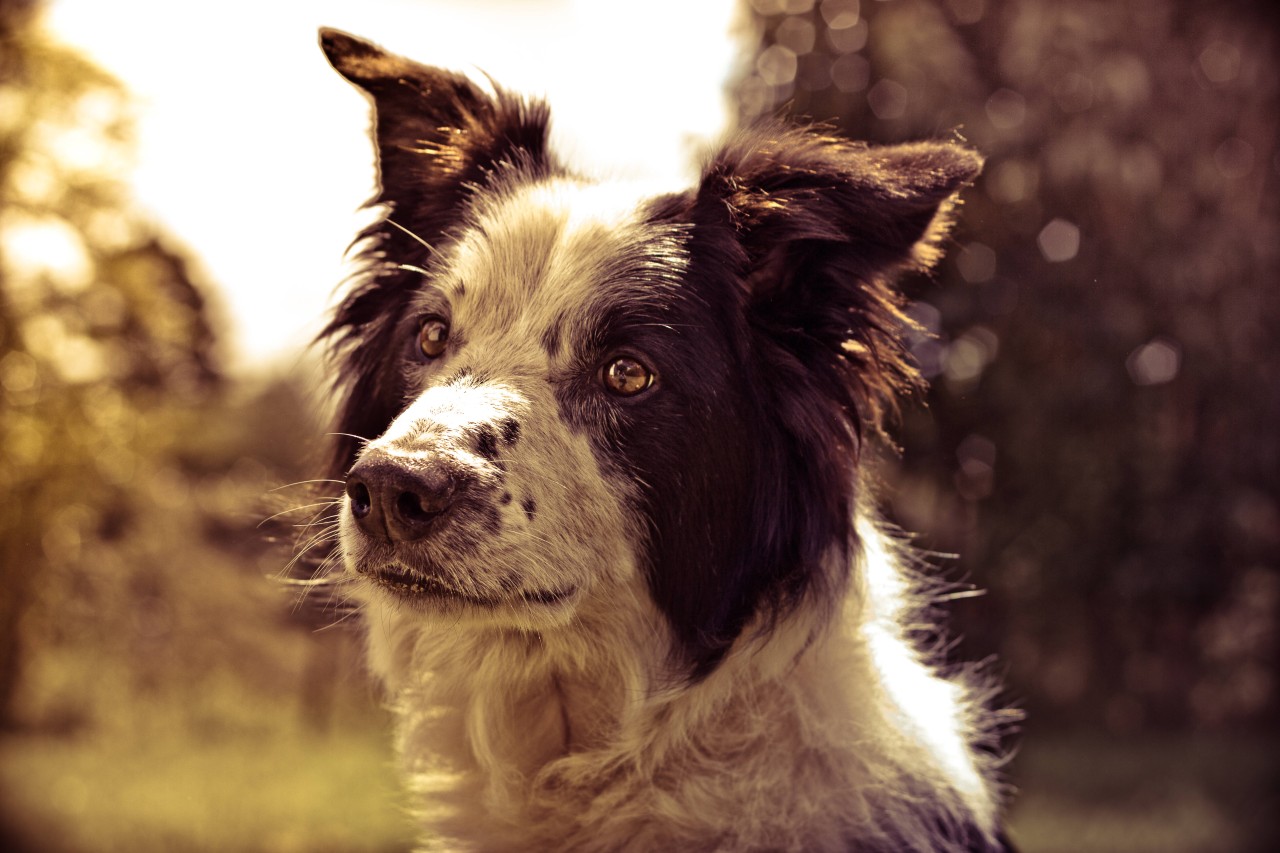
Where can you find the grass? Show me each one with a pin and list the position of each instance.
(276, 794)
(1177, 793)
(274, 788)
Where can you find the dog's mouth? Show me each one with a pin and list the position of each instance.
(413, 586)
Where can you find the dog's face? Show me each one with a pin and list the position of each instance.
(535, 338)
(556, 389)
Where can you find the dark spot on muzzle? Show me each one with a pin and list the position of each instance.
(510, 431)
(486, 442)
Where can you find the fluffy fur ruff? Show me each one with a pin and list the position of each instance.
(604, 520)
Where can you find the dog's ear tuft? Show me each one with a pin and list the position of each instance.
(823, 227)
(438, 133)
(360, 61)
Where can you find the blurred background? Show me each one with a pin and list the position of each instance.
(1099, 446)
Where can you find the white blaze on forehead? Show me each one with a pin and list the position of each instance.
(537, 254)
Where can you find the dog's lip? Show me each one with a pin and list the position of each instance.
(413, 585)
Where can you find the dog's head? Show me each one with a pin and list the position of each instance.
(553, 387)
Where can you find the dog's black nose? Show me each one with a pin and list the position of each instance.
(400, 499)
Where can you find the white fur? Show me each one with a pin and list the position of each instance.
(574, 739)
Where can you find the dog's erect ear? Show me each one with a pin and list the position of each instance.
(437, 132)
(821, 228)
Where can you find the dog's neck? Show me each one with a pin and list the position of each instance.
(520, 731)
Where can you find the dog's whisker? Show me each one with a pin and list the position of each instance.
(431, 249)
(327, 523)
(359, 438)
(310, 583)
(294, 509)
(306, 483)
(304, 550)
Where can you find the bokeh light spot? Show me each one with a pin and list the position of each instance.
(1006, 109)
(1154, 363)
(776, 65)
(977, 263)
(18, 372)
(967, 11)
(849, 39)
(1141, 169)
(797, 34)
(976, 456)
(1234, 158)
(1059, 241)
(1013, 181)
(851, 73)
(769, 7)
(1126, 79)
(969, 355)
(1220, 62)
(47, 246)
(888, 99)
(841, 14)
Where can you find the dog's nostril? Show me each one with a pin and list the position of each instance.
(413, 510)
(361, 501)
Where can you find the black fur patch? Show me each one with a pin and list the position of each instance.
(510, 431)
(486, 442)
(530, 508)
(775, 337)
(552, 337)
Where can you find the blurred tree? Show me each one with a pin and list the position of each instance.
(104, 343)
(134, 581)
(1101, 446)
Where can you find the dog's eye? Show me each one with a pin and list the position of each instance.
(432, 337)
(627, 377)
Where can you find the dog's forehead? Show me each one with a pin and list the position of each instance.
(542, 254)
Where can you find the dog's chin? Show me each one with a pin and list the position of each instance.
(430, 595)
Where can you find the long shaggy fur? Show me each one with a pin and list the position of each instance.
(604, 519)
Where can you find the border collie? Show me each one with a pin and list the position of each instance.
(603, 515)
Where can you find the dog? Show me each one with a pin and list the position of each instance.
(603, 516)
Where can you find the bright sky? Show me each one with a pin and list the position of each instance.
(255, 154)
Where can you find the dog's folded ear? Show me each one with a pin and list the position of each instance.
(437, 133)
(891, 204)
(821, 229)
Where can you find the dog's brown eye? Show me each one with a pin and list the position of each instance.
(433, 336)
(627, 377)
